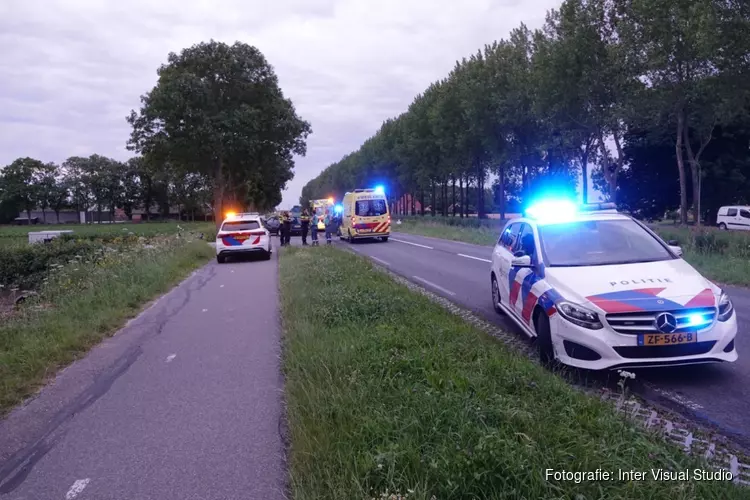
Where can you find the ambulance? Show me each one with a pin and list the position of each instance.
(365, 215)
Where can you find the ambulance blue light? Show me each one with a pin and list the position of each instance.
(339, 208)
(379, 189)
(552, 210)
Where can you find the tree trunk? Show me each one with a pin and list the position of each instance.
(453, 197)
(681, 166)
(219, 194)
(421, 201)
(501, 185)
(695, 171)
(434, 199)
(480, 190)
(585, 170)
(57, 213)
(466, 198)
(461, 192)
(28, 216)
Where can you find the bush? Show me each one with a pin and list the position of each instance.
(25, 266)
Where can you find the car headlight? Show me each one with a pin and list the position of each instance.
(725, 307)
(579, 315)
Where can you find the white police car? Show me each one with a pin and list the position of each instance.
(600, 290)
(242, 234)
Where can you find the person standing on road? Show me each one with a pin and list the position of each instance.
(314, 229)
(286, 228)
(328, 222)
(305, 223)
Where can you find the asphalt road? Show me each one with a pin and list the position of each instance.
(718, 395)
(184, 403)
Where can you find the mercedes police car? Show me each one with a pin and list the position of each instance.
(242, 234)
(600, 290)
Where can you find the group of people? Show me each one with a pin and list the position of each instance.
(309, 225)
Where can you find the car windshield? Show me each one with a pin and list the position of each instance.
(599, 243)
(370, 208)
(240, 225)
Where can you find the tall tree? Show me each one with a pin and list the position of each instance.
(217, 110)
(20, 183)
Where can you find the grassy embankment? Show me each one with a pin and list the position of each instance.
(723, 256)
(87, 288)
(387, 392)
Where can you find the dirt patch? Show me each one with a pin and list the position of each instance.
(11, 299)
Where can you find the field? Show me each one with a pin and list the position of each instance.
(12, 235)
(723, 256)
(388, 394)
(86, 288)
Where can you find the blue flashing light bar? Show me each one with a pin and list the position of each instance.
(379, 189)
(552, 210)
(339, 208)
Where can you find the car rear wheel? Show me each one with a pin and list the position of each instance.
(221, 259)
(496, 296)
(267, 256)
(723, 226)
(544, 340)
(384, 239)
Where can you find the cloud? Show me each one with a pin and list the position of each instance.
(73, 69)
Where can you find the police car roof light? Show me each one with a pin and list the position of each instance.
(599, 207)
(552, 210)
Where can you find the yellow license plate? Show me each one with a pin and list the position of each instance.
(648, 339)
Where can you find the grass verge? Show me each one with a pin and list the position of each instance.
(81, 303)
(387, 392)
(722, 256)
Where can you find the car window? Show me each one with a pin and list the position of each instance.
(731, 212)
(240, 225)
(370, 208)
(508, 238)
(598, 243)
(525, 242)
(745, 214)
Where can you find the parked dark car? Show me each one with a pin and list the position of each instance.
(296, 227)
(273, 224)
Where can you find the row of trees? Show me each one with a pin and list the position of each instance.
(539, 109)
(216, 131)
(99, 183)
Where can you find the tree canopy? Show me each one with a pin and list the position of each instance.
(608, 85)
(217, 111)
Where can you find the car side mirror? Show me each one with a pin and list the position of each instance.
(676, 249)
(522, 261)
(673, 243)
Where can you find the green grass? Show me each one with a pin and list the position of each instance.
(81, 303)
(723, 256)
(19, 234)
(388, 392)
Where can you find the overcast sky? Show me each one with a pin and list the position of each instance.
(71, 70)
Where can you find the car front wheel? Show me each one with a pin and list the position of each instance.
(723, 226)
(496, 296)
(221, 259)
(544, 340)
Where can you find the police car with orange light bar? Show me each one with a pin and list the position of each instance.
(600, 290)
(242, 234)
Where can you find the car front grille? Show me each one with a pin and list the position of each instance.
(665, 351)
(634, 323)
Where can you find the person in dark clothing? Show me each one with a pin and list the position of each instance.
(305, 223)
(286, 228)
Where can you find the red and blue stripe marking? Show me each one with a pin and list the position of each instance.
(530, 300)
(647, 300)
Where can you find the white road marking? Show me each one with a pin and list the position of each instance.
(205, 310)
(77, 488)
(433, 285)
(475, 258)
(221, 286)
(171, 357)
(410, 243)
(380, 260)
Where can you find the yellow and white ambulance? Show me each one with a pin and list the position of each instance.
(365, 215)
